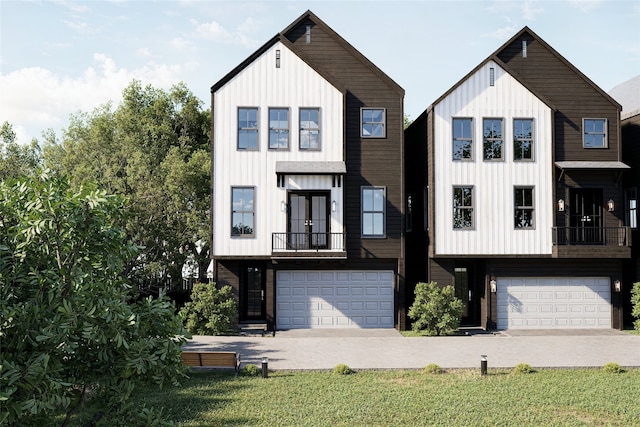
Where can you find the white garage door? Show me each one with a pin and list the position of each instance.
(548, 303)
(334, 299)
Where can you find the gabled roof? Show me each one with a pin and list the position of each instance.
(281, 37)
(495, 57)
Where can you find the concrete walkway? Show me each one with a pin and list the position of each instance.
(388, 349)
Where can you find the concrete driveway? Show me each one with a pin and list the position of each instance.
(388, 349)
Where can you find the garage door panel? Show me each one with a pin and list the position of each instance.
(554, 303)
(324, 299)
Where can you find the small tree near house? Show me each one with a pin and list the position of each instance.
(211, 311)
(435, 309)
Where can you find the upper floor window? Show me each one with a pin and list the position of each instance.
(462, 207)
(278, 128)
(247, 128)
(242, 211)
(463, 139)
(492, 139)
(524, 207)
(409, 215)
(309, 128)
(373, 123)
(373, 212)
(594, 133)
(632, 207)
(523, 139)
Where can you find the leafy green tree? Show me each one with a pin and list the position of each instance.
(17, 160)
(69, 328)
(635, 303)
(435, 310)
(154, 149)
(211, 311)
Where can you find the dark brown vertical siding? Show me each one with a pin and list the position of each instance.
(631, 179)
(573, 97)
(370, 162)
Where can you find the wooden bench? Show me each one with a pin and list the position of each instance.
(212, 359)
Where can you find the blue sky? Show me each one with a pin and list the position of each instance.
(61, 57)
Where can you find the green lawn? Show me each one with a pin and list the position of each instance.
(404, 398)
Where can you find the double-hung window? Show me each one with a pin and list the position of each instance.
(463, 139)
(463, 207)
(309, 129)
(594, 133)
(247, 128)
(373, 212)
(522, 139)
(523, 207)
(492, 141)
(632, 207)
(243, 211)
(373, 123)
(278, 128)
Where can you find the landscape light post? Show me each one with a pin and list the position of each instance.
(483, 364)
(265, 367)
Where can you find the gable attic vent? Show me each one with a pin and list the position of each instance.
(308, 33)
(492, 76)
(278, 58)
(524, 48)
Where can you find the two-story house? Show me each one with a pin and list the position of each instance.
(307, 184)
(514, 176)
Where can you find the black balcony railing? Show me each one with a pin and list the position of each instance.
(604, 236)
(307, 242)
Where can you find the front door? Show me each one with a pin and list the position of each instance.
(308, 220)
(586, 216)
(467, 293)
(253, 304)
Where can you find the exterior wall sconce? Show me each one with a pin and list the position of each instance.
(334, 206)
(611, 205)
(493, 285)
(617, 286)
(283, 206)
(561, 205)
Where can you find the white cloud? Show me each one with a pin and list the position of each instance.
(143, 52)
(35, 99)
(73, 6)
(213, 31)
(530, 11)
(82, 27)
(504, 33)
(179, 43)
(585, 6)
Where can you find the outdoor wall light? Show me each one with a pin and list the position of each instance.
(617, 286)
(334, 206)
(493, 285)
(265, 367)
(611, 205)
(561, 205)
(283, 206)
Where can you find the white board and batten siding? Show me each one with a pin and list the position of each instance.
(294, 85)
(334, 299)
(493, 182)
(554, 303)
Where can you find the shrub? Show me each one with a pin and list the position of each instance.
(211, 311)
(612, 368)
(342, 369)
(435, 310)
(635, 302)
(251, 370)
(523, 368)
(432, 368)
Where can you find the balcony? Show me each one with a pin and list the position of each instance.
(308, 245)
(591, 242)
